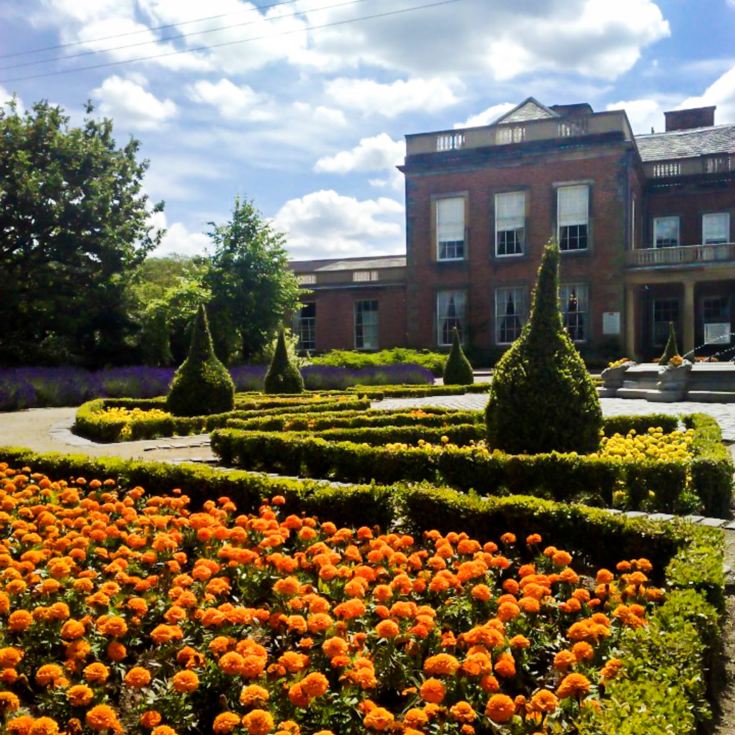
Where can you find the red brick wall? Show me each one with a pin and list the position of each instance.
(335, 316)
(607, 171)
(689, 202)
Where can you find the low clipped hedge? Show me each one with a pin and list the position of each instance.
(663, 486)
(91, 422)
(417, 391)
(664, 663)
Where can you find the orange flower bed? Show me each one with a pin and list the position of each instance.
(121, 612)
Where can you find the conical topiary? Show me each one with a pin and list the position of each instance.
(457, 368)
(282, 376)
(541, 396)
(202, 384)
(671, 348)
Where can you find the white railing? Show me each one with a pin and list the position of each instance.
(682, 255)
(449, 141)
(713, 164)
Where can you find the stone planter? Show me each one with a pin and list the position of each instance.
(674, 382)
(612, 379)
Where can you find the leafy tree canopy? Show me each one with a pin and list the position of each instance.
(74, 225)
(251, 285)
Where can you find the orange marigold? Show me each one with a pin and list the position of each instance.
(433, 691)
(544, 701)
(442, 664)
(137, 677)
(225, 723)
(103, 717)
(573, 685)
(79, 695)
(185, 681)
(500, 708)
(378, 719)
(258, 722)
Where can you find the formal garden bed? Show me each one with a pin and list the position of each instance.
(342, 609)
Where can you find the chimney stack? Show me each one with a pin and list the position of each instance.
(695, 117)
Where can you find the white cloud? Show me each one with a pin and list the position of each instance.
(721, 93)
(594, 37)
(320, 114)
(370, 154)
(643, 114)
(371, 97)
(233, 102)
(486, 117)
(6, 96)
(327, 224)
(178, 240)
(129, 104)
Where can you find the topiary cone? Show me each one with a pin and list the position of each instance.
(202, 384)
(671, 348)
(457, 369)
(282, 376)
(542, 398)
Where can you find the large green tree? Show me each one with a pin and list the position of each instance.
(74, 226)
(251, 285)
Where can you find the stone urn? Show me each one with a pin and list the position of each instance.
(613, 377)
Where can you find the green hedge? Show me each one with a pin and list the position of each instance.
(417, 391)
(664, 662)
(661, 486)
(90, 423)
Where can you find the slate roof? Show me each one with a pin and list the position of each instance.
(529, 109)
(686, 143)
(349, 264)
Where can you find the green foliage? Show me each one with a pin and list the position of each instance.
(251, 284)
(671, 348)
(543, 366)
(202, 385)
(457, 370)
(265, 355)
(74, 226)
(434, 361)
(282, 375)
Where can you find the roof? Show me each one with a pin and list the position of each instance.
(529, 109)
(686, 143)
(349, 264)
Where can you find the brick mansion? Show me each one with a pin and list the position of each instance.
(644, 224)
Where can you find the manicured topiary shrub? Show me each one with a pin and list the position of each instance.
(542, 398)
(202, 385)
(282, 375)
(671, 348)
(457, 369)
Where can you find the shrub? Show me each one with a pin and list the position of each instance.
(282, 375)
(202, 385)
(543, 364)
(457, 370)
(434, 361)
(671, 349)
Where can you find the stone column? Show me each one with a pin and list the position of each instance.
(688, 319)
(630, 335)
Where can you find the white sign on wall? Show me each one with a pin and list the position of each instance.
(611, 322)
(717, 333)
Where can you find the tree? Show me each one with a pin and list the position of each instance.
(283, 376)
(671, 348)
(202, 385)
(74, 225)
(252, 287)
(457, 370)
(542, 398)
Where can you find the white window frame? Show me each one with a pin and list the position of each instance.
(306, 325)
(372, 327)
(580, 316)
(513, 223)
(659, 222)
(306, 279)
(445, 322)
(579, 218)
(723, 217)
(452, 229)
(362, 276)
(520, 302)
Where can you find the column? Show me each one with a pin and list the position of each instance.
(630, 335)
(688, 319)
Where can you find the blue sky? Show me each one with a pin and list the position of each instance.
(302, 105)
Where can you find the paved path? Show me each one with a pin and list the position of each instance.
(723, 412)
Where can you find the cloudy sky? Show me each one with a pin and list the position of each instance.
(302, 105)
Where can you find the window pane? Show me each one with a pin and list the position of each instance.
(305, 327)
(366, 325)
(666, 232)
(510, 222)
(573, 217)
(450, 228)
(510, 313)
(715, 228)
(574, 302)
(664, 311)
(450, 313)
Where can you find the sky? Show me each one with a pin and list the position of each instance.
(302, 105)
